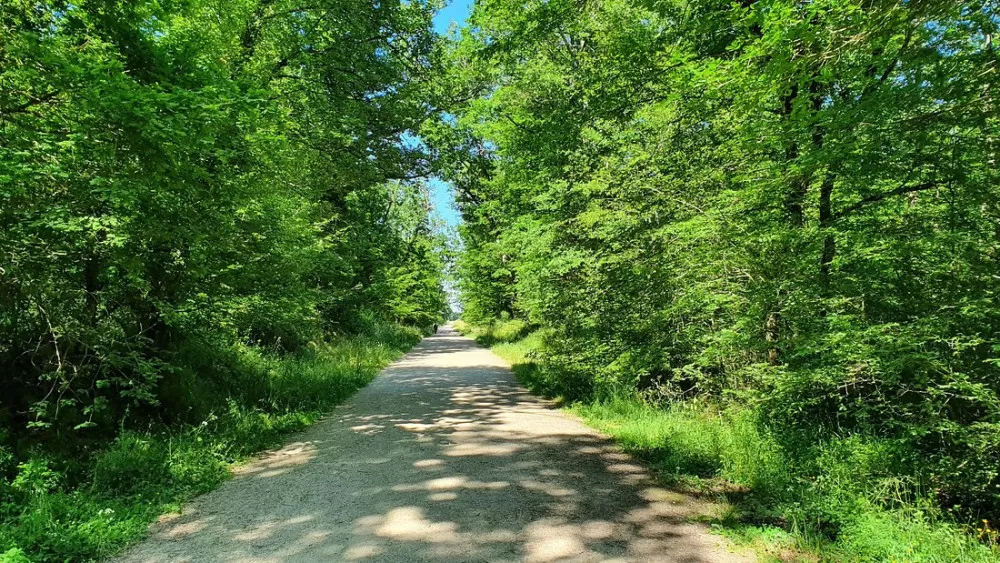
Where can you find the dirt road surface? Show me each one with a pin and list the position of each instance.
(444, 457)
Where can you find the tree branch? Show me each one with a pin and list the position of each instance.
(890, 68)
(27, 105)
(886, 195)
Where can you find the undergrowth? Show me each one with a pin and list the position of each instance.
(63, 509)
(836, 501)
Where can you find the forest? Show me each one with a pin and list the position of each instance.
(215, 226)
(755, 241)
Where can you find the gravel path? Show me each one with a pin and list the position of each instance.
(444, 457)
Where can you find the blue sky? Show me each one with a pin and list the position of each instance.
(441, 195)
(456, 11)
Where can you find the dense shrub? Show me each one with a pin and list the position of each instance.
(793, 206)
(838, 499)
(55, 509)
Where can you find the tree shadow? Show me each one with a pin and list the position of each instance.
(445, 458)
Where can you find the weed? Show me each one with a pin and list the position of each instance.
(841, 500)
(140, 475)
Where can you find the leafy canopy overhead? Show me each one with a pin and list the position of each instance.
(178, 177)
(796, 204)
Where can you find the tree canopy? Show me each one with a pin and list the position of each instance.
(794, 205)
(788, 205)
(180, 176)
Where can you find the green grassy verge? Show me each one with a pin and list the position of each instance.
(61, 510)
(827, 505)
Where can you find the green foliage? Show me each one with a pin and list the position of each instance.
(14, 556)
(211, 212)
(776, 503)
(179, 178)
(89, 509)
(498, 332)
(788, 205)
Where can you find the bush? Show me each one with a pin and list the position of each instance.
(46, 516)
(35, 477)
(14, 555)
(132, 465)
(847, 497)
(497, 332)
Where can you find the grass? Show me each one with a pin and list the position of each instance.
(835, 503)
(57, 509)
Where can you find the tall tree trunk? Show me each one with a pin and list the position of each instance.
(795, 197)
(825, 225)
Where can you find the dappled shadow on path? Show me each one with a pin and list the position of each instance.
(444, 457)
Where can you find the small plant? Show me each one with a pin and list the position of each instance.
(988, 534)
(133, 464)
(44, 516)
(35, 478)
(844, 499)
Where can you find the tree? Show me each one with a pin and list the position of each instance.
(793, 203)
(179, 177)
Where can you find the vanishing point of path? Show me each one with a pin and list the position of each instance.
(444, 457)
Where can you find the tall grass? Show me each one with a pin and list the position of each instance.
(835, 501)
(58, 509)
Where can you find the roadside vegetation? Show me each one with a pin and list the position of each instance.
(84, 508)
(756, 240)
(213, 228)
(768, 230)
(831, 501)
